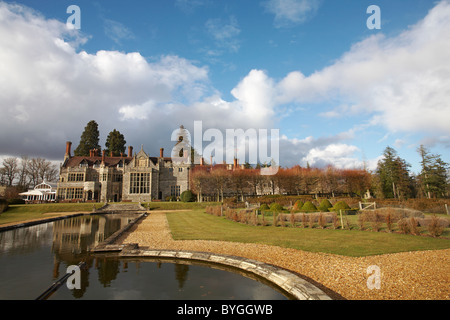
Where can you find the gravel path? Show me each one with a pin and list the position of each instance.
(419, 275)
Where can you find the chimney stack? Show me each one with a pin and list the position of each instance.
(103, 157)
(68, 150)
(130, 151)
(161, 153)
(235, 163)
(202, 161)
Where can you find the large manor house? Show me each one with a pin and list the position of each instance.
(131, 177)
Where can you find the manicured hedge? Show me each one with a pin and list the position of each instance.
(309, 207)
(276, 207)
(325, 205)
(187, 196)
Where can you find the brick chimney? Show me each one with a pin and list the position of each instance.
(103, 157)
(68, 150)
(202, 161)
(161, 153)
(235, 163)
(130, 151)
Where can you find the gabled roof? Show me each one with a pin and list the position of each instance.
(75, 161)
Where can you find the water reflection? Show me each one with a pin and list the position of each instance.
(33, 258)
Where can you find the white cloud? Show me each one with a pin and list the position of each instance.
(256, 93)
(224, 33)
(50, 91)
(117, 32)
(403, 82)
(339, 155)
(291, 12)
(323, 151)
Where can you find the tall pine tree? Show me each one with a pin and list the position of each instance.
(89, 140)
(393, 175)
(115, 143)
(433, 178)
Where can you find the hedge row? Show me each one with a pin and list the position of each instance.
(3, 205)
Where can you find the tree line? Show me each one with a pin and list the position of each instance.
(391, 179)
(26, 172)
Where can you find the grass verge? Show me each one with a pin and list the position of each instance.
(21, 213)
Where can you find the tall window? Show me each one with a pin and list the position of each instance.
(139, 183)
(175, 191)
(76, 177)
(70, 193)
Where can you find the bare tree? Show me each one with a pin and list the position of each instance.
(10, 170)
(40, 169)
(22, 172)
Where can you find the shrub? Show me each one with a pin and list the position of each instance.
(389, 222)
(311, 220)
(340, 205)
(322, 221)
(275, 220)
(434, 228)
(171, 198)
(414, 226)
(292, 219)
(16, 201)
(403, 226)
(276, 207)
(264, 207)
(263, 222)
(309, 207)
(187, 196)
(335, 220)
(3, 205)
(361, 221)
(325, 205)
(304, 220)
(298, 205)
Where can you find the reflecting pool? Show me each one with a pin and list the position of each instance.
(33, 258)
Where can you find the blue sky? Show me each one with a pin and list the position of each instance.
(339, 92)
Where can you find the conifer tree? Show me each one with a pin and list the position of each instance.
(394, 177)
(115, 143)
(433, 178)
(89, 140)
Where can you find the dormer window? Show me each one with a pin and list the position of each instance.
(84, 164)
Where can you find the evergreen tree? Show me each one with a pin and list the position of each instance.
(89, 140)
(433, 177)
(394, 177)
(115, 143)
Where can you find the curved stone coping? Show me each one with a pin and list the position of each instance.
(284, 279)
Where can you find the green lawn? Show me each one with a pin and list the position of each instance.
(177, 205)
(197, 225)
(19, 213)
